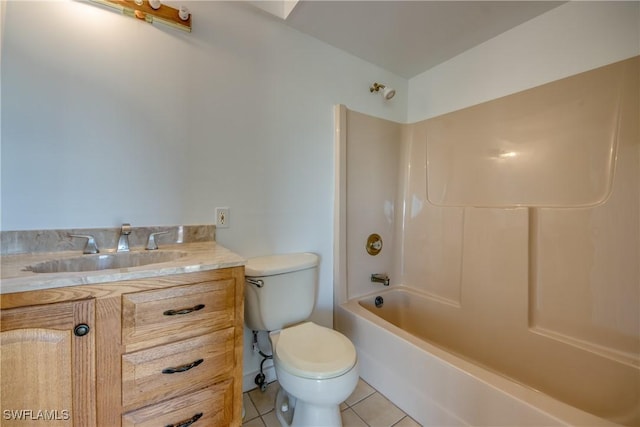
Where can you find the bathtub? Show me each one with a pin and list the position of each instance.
(436, 386)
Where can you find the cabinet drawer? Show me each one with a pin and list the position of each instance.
(209, 407)
(196, 363)
(166, 315)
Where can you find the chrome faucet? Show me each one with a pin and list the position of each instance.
(380, 278)
(123, 241)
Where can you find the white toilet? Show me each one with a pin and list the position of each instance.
(316, 366)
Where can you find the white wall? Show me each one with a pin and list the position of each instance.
(111, 120)
(3, 6)
(575, 37)
(107, 119)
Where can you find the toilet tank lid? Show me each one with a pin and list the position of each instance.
(277, 264)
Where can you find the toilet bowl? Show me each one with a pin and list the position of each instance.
(317, 367)
(317, 370)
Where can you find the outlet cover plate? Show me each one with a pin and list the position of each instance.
(222, 217)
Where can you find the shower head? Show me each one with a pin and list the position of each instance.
(387, 92)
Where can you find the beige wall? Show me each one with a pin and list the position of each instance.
(548, 295)
(372, 167)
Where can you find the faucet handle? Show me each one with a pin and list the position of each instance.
(91, 247)
(126, 229)
(151, 242)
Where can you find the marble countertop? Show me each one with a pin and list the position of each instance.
(200, 256)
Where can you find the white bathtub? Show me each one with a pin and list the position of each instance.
(435, 386)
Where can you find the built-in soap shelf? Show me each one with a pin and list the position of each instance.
(143, 10)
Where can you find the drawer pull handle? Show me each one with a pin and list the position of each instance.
(187, 423)
(182, 368)
(184, 310)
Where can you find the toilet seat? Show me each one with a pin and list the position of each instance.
(312, 351)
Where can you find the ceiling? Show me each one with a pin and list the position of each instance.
(409, 37)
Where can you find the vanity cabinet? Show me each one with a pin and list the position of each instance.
(165, 351)
(47, 364)
(177, 342)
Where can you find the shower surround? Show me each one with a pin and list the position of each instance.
(517, 223)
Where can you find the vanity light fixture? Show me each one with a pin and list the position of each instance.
(183, 13)
(151, 11)
(387, 92)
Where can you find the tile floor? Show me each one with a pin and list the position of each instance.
(364, 408)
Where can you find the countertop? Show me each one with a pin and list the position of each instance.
(201, 256)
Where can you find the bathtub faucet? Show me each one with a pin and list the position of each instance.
(380, 278)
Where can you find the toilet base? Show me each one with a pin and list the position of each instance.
(302, 414)
(285, 406)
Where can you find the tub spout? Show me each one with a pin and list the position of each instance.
(380, 278)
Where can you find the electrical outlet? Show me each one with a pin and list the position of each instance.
(222, 217)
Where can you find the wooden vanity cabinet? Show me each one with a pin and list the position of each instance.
(179, 341)
(167, 350)
(47, 364)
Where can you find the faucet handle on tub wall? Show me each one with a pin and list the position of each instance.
(374, 244)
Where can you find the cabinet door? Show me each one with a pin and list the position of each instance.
(47, 372)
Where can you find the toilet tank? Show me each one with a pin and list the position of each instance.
(280, 290)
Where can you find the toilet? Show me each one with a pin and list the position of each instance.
(317, 367)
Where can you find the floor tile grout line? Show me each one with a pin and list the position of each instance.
(358, 415)
(348, 406)
(360, 400)
(399, 421)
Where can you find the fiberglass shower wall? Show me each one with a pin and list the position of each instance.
(520, 219)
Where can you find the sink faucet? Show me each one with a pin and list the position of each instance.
(380, 278)
(123, 242)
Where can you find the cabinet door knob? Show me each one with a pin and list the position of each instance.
(184, 310)
(81, 330)
(187, 423)
(182, 368)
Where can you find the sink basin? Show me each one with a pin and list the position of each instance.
(104, 261)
